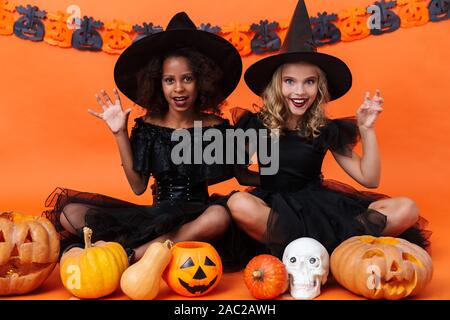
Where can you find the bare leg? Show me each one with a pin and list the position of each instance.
(402, 213)
(209, 225)
(250, 213)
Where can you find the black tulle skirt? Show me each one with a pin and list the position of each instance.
(113, 219)
(132, 225)
(330, 212)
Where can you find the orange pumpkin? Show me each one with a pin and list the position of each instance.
(195, 268)
(29, 250)
(266, 277)
(95, 270)
(384, 267)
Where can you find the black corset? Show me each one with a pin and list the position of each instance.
(179, 188)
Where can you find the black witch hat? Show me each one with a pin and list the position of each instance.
(299, 46)
(180, 32)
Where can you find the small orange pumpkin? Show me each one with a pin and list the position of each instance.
(384, 267)
(29, 250)
(195, 268)
(266, 277)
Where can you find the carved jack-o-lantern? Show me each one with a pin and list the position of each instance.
(195, 268)
(29, 250)
(381, 268)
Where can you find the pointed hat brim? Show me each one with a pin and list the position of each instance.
(339, 76)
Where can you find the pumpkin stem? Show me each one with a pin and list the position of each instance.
(168, 244)
(258, 275)
(87, 237)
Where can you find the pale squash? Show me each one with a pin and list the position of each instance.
(141, 281)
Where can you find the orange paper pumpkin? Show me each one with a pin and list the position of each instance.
(57, 33)
(237, 34)
(353, 24)
(117, 38)
(29, 250)
(195, 269)
(413, 12)
(6, 17)
(381, 268)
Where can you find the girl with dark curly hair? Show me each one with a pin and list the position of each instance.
(179, 76)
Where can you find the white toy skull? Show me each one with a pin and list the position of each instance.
(307, 263)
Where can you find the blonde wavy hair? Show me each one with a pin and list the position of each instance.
(275, 113)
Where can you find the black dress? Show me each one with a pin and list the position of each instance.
(302, 203)
(180, 193)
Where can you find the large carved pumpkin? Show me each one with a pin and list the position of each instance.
(195, 268)
(381, 268)
(29, 250)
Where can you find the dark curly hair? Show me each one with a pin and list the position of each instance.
(207, 73)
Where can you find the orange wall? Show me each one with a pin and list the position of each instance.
(48, 139)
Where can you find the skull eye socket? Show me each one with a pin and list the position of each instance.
(314, 262)
(293, 260)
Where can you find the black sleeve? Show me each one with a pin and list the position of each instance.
(341, 135)
(141, 141)
(244, 119)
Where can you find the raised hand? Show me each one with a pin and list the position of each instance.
(368, 112)
(112, 114)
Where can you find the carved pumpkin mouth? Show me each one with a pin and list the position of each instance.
(403, 287)
(198, 288)
(14, 268)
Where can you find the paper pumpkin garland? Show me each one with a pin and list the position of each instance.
(89, 34)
